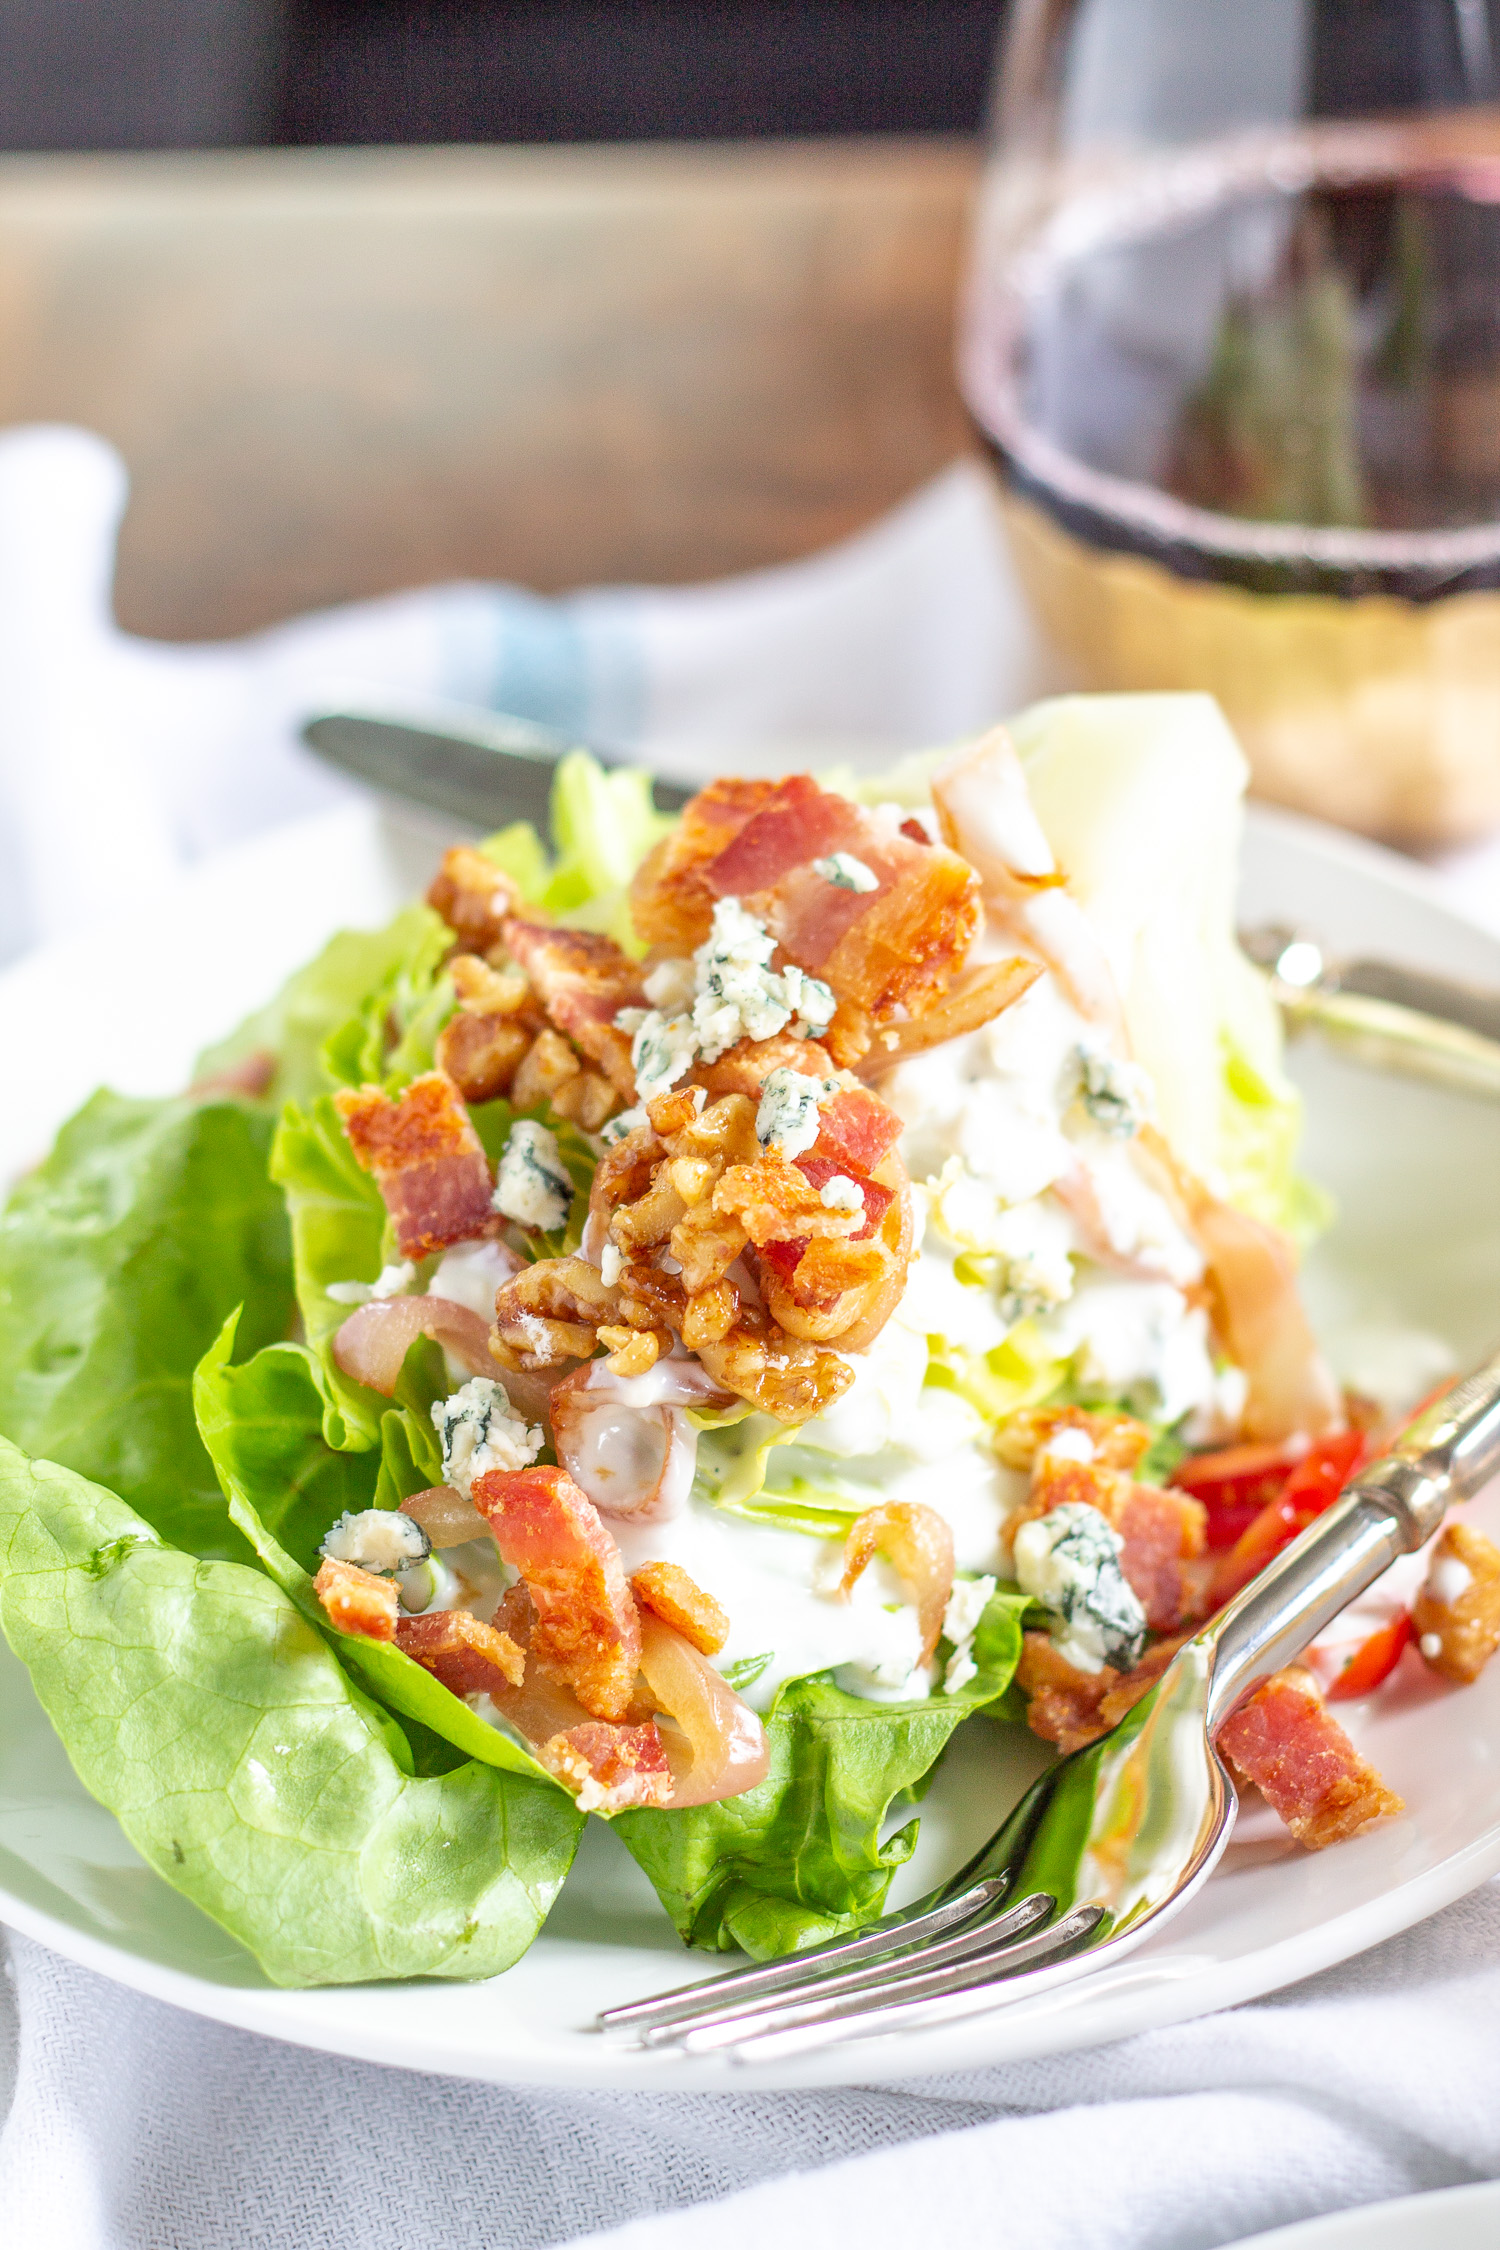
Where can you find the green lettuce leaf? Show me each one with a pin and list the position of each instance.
(315, 1002)
(800, 1857)
(215, 1722)
(263, 1426)
(120, 1258)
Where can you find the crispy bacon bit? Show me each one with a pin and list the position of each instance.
(1287, 1741)
(744, 1069)
(1163, 1531)
(670, 901)
(1118, 1440)
(587, 1632)
(898, 945)
(775, 1201)
(356, 1601)
(1462, 1618)
(583, 980)
(856, 1131)
(670, 1594)
(609, 1768)
(473, 896)
(1062, 1701)
(919, 1544)
(427, 1161)
(716, 1746)
(469, 1657)
(480, 1053)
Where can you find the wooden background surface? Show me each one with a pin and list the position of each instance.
(333, 373)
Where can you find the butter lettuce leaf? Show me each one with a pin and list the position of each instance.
(120, 1258)
(800, 1858)
(204, 1710)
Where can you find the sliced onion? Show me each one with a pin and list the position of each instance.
(448, 1519)
(724, 1752)
(896, 1231)
(624, 1439)
(919, 1543)
(373, 1342)
(972, 1000)
(1252, 1269)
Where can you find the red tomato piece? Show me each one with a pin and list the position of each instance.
(1234, 1485)
(1373, 1661)
(1314, 1484)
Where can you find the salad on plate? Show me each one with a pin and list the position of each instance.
(670, 1331)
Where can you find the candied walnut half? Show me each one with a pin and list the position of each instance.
(777, 1373)
(473, 896)
(551, 1311)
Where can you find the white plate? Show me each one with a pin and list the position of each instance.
(1418, 1241)
(1462, 2218)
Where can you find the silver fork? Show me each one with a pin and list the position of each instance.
(1121, 1834)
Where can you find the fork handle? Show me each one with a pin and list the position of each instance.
(1391, 1508)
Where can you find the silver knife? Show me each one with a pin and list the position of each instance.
(484, 767)
(489, 767)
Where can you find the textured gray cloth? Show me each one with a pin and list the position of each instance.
(135, 2127)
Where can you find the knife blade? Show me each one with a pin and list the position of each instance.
(484, 767)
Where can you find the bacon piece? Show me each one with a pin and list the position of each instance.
(774, 1201)
(473, 896)
(356, 1601)
(583, 981)
(918, 1542)
(857, 1131)
(427, 1160)
(744, 1069)
(679, 1601)
(671, 903)
(1463, 1618)
(1118, 1440)
(1287, 1741)
(1063, 1702)
(469, 1657)
(587, 1630)
(1162, 1531)
(898, 945)
(610, 1768)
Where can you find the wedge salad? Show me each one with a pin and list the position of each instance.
(670, 1330)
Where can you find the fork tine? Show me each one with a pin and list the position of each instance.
(984, 1937)
(894, 1934)
(794, 2026)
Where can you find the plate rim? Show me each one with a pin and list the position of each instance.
(292, 2014)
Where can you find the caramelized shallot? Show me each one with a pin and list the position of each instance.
(919, 1544)
(725, 1751)
(373, 1342)
(625, 1440)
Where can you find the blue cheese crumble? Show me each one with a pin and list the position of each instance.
(1115, 1095)
(479, 1432)
(533, 1187)
(966, 1605)
(735, 994)
(846, 873)
(394, 1281)
(381, 1540)
(841, 1194)
(1069, 1561)
(787, 1119)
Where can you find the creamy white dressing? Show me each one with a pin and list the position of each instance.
(471, 1272)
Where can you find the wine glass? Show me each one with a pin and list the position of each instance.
(1232, 334)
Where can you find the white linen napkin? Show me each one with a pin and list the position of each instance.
(134, 2127)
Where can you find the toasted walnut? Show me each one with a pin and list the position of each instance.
(673, 1112)
(651, 1217)
(726, 1130)
(551, 1311)
(633, 1351)
(650, 1298)
(693, 1177)
(550, 1062)
(709, 1314)
(586, 1100)
(473, 896)
(705, 1244)
(624, 1173)
(493, 992)
(666, 1589)
(777, 1373)
(480, 1053)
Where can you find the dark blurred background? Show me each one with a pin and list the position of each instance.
(112, 74)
